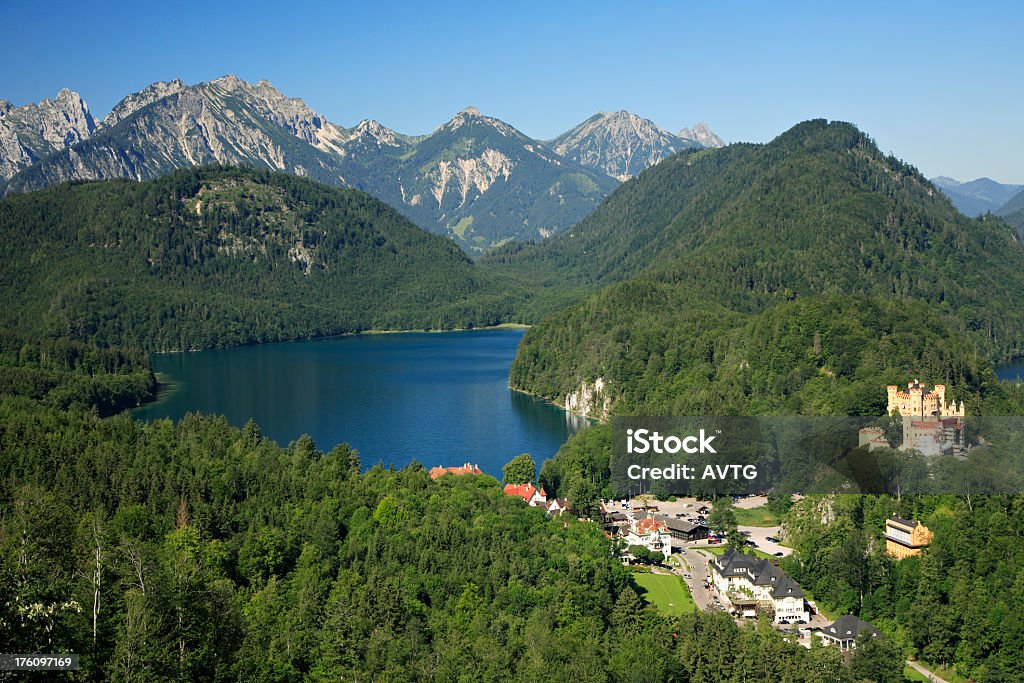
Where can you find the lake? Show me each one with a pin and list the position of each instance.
(440, 398)
(1011, 371)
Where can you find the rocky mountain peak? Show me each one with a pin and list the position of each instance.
(703, 134)
(473, 115)
(368, 129)
(620, 143)
(33, 131)
(132, 103)
(232, 82)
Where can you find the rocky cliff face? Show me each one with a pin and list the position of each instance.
(591, 400)
(619, 144)
(704, 135)
(29, 133)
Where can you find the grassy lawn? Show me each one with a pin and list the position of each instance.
(912, 675)
(761, 516)
(666, 592)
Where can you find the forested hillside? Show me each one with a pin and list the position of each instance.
(716, 236)
(955, 605)
(218, 257)
(664, 350)
(800, 278)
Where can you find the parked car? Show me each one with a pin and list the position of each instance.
(779, 555)
(783, 621)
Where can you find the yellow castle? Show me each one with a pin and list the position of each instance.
(930, 425)
(917, 401)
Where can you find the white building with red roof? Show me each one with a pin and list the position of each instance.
(529, 493)
(652, 534)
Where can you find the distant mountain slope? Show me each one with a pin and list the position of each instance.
(619, 144)
(216, 257)
(977, 196)
(1013, 212)
(480, 181)
(1015, 204)
(29, 133)
(817, 211)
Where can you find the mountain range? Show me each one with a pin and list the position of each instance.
(976, 197)
(475, 179)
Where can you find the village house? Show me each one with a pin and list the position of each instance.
(653, 534)
(843, 632)
(683, 532)
(529, 493)
(557, 506)
(752, 585)
(905, 538)
(436, 472)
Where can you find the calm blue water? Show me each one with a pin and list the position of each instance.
(1011, 371)
(441, 398)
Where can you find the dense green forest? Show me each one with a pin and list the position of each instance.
(218, 257)
(670, 355)
(197, 551)
(62, 373)
(662, 350)
(959, 604)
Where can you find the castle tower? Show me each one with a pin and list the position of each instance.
(891, 391)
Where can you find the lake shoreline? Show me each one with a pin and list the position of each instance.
(439, 399)
(556, 404)
(341, 335)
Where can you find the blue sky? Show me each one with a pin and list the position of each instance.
(937, 83)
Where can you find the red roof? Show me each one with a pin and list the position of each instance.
(646, 526)
(436, 472)
(524, 491)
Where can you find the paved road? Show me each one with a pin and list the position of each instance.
(694, 565)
